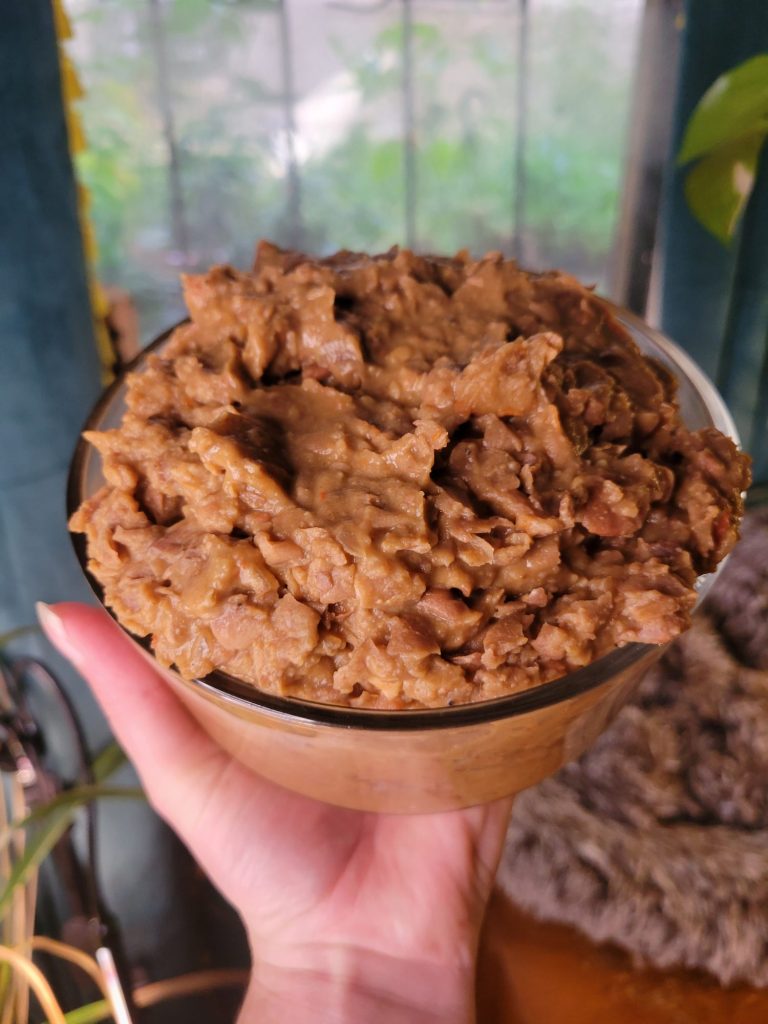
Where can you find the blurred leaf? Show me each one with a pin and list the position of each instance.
(108, 761)
(14, 634)
(719, 186)
(429, 35)
(90, 1014)
(37, 849)
(734, 106)
(353, 188)
(188, 15)
(6, 978)
(493, 51)
(53, 820)
(72, 799)
(385, 161)
(55, 817)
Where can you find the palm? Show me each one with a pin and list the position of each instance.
(357, 879)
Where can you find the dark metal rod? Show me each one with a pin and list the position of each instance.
(649, 141)
(293, 180)
(176, 195)
(409, 122)
(521, 134)
(90, 923)
(42, 676)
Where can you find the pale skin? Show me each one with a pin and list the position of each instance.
(350, 916)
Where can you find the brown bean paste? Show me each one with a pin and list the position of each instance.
(398, 481)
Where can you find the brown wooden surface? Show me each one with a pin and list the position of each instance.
(535, 973)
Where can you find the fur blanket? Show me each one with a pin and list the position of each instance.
(657, 838)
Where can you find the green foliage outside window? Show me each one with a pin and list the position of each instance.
(228, 112)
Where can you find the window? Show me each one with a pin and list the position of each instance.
(488, 124)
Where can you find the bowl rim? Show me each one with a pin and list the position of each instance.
(218, 685)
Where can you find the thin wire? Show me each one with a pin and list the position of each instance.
(89, 891)
(7, 1009)
(20, 905)
(37, 982)
(103, 973)
(75, 956)
(23, 667)
(5, 856)
(24, 973)
(31, 893)
(187, 985)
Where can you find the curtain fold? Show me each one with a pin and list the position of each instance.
(170, 918)
(743, 369)
(714, 298)
(49, 369)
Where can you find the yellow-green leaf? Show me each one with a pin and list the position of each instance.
(37, 849)
(52, 821)
(734, 106)
(72, 800)
(14, 634)
(719, 186)
(90, 1014)
(108, 761)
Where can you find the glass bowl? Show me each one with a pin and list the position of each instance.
(423, 760)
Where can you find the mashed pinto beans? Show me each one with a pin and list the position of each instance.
(400, 481)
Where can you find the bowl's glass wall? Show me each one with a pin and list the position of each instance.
(415, 770)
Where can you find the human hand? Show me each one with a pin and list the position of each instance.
(351, 916)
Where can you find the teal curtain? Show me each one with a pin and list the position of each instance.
(714, 299)
(171, 920)
(49, 373)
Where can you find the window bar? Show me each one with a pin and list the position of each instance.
(634, 277)
(179, 231)
(521, 127)
(409, 122)
(294, 230)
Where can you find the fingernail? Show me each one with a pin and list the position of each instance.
(56, 631)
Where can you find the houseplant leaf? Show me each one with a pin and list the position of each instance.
(734, 106)
(719, 186)
(70, 800)
(37, 849)
(14, 634)
(107, 761)
(90, 1014)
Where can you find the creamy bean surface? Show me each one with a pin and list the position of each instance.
(400, 481)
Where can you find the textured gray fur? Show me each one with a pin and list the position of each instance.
(657, 838)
